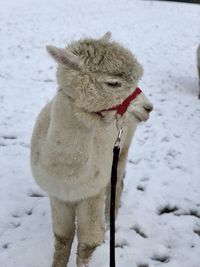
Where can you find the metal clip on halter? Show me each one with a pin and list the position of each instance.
(118, 140)
(119, 125)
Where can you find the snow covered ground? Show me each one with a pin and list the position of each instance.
(159, 220)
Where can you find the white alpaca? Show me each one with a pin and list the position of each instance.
(198, 66)
(71, 151)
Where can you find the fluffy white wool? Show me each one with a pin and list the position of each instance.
(71, 149)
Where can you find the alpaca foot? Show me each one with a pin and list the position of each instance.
(82, 263)
(62, 251)
(84, 254)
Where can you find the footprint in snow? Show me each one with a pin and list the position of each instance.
(15, 224)
(21, 214)
(178, 211)
(135, 162)
(9, 137)
(144, 179)
(35, 193)
(165, 139)
(29, 212)
(139, 231)
(167, 209)
(190, 212)
(141, 188)
(161, 258)
(121, 244)
(197, 231)
(6, 245)
(2, 144)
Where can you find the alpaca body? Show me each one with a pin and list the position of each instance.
(67, 157)
(72, 142)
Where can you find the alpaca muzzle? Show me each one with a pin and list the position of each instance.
(122, 108)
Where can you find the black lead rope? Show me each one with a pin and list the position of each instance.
(116, 151)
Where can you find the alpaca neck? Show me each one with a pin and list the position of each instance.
(63, 121)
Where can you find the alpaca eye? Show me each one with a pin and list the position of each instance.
(113, 84)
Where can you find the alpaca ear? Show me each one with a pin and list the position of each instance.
(107, 36)
(64, 57)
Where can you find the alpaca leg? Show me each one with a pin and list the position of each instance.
(90, 228)
(63, 217)
(119, 186)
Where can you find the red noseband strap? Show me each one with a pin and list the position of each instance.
(122, 108)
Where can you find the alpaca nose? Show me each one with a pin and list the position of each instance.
(148, 108)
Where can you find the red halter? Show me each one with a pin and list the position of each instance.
(122, 108)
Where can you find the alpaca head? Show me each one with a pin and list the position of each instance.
(96, 73)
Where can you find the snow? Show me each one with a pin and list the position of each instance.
(159, 219)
